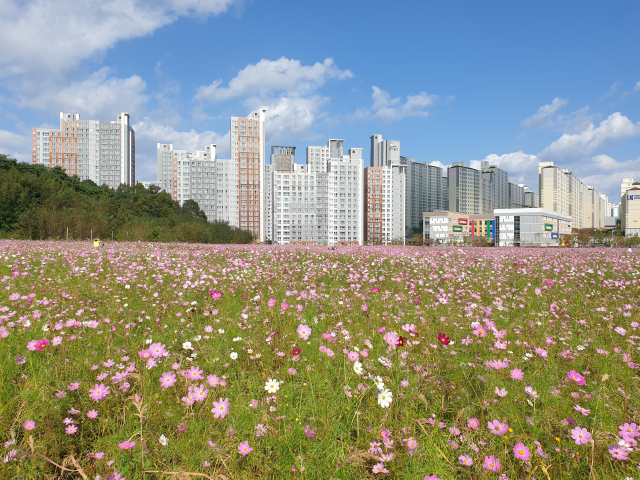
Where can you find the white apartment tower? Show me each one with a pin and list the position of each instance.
(103, 151)
(384, 152)
(464, 189)
(385, 189)
(320, 203)
(425, 191)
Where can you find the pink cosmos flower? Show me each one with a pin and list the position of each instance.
(582, 410)
(492, 464)
(618, 453)
(353, 356)
(308, 432)
(157, 350)
(97, 455)
(473, 423)
(292, 371)
(194, 373)
(168, 379)
(199, 393)
(244, 448)
(580, 435)
(29, 425)
(630, 430)
(498, 428)
(304, 331)
(42, 344)
(99, 392)
(71, 429)
(574, 376)
(73, 386)
(431, 477)
(127, 445)
(522, 452)
(272, 302)
(92, 414)
(213, 380)
(221, 408)
(465, 460)
(516, 374)
(391, 338)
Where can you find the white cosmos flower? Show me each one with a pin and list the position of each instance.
(357, 367)
(187, 346)
(163, 440)
(26, 323)
(272, 386)
(233, 355)
(379, 383)
(237, 339)
(221, 330)
(385, 398)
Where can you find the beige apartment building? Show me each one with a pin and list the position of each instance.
(563, 192)
(630, 210)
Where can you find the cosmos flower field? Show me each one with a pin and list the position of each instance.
(182, 361)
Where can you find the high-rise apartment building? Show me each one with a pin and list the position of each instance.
(194, 176)
(531, 199)
(516, 195)
(563, 192)
(627, 183)
(496, 190)
(248, 153)
(630, 210)
(283, 158)
(99, 150)
(385, 190)
(425, 192)
(384, 153)
(464, 189)
(321, 202)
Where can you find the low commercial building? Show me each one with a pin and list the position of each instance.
(451, 228)
(630, 211)
(520, 227)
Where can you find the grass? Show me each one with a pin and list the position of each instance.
(547, 312)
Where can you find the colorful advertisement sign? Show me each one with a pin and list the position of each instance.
(462, 221)
(457, 228)
(548, 226)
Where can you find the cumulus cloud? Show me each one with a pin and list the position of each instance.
(390, 109)
(522, 167)
(293, 118)
(43, 37)
(15, 146)
(268, 77)
(570, 147)
(98, 96)
(149, 133)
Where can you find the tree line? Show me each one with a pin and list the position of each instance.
(39, 203)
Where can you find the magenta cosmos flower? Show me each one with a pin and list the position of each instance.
(127, 445)
(244, 448)
(29, 425)
(168, 379)
(304, 331)
(99, 392)
(581, 435)
(498, 428)
(521, 452)
(574, 376)
(220, 409)
(492, 464)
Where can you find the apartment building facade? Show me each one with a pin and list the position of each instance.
(630, 210)
(564, 193)
(426, 191)
(384, 152)
(99, 150)
(464, 189)
(385, 204)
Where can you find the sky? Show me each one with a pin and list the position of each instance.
(513, 83)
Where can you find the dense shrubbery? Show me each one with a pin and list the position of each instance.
(40, 203)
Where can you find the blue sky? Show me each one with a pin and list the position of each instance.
(511, 82)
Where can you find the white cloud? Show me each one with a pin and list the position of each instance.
(99, 96)
(611, 91)
(543, 117)
(42, 37)
(149, 133)
(547, 117)
(390, 109)
(438, 163)
(522, 167)
(577, 145)
(15, 146)
(293, 118)
(637, 87)
(269, 76)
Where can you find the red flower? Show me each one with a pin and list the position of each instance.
(295, 351)
(443, 339)
(400, 341)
